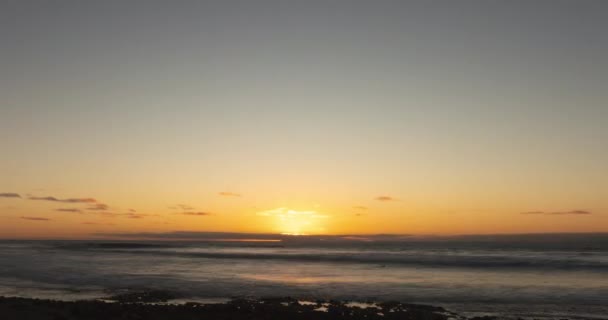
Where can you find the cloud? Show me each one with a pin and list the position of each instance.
(229, 194)
(571, 212)
(195, 213)
(188, 210)
(70, 200)
(193, 235)
(129, 215)
(35, 218)
(574, 212)
(533, 212)
(98, 224)
(9, 195)
(385, 198)
(109, 214)
(360, 208)
(98, 207)
(74, 210)
(135, 215)
(182, 207)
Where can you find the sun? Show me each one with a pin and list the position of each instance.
(296, 222)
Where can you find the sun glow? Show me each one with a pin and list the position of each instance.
(295, 222)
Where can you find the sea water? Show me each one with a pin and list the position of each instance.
(551, 276)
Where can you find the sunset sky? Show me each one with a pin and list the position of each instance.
(306, 117)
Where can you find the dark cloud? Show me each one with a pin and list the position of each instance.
(70, 200)
(229, 194)
(571, 212)
(9, 195)
(385, 198)
(74, 210)
(35, 218)
(94, 205)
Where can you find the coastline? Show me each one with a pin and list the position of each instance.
(156, 304)
(567, 283)
(267, 308)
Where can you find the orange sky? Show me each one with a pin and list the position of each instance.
(70, 217)
(443, 118)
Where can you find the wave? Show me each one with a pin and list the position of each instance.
(438, 260)
(112, 245)
(393, 255)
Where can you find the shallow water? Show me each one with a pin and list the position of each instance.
(541, 278)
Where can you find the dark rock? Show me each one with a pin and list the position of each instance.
(237, 309)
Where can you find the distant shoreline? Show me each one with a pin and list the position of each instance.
(221, 236)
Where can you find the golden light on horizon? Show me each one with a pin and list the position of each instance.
(296, 222)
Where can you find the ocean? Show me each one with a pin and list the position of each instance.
(529, 276)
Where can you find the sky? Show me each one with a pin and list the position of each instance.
(303, 117)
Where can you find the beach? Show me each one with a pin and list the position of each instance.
(278, 308)
(539, 277)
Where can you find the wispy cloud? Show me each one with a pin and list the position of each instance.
(360, 208)
(571, 212)
(35, 218)
(9, 195)
(533, 212)
(229, 194)
(385, 198)
(195, 213)
(181, 207)
(74, 210)
(70, 200)
(135, 215)
(98, 223)
(99, 207)
(92, 203)
(132, 215)
(193, 235)
(189, 210)
(129, 215)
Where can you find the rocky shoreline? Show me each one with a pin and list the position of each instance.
(150, 306)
